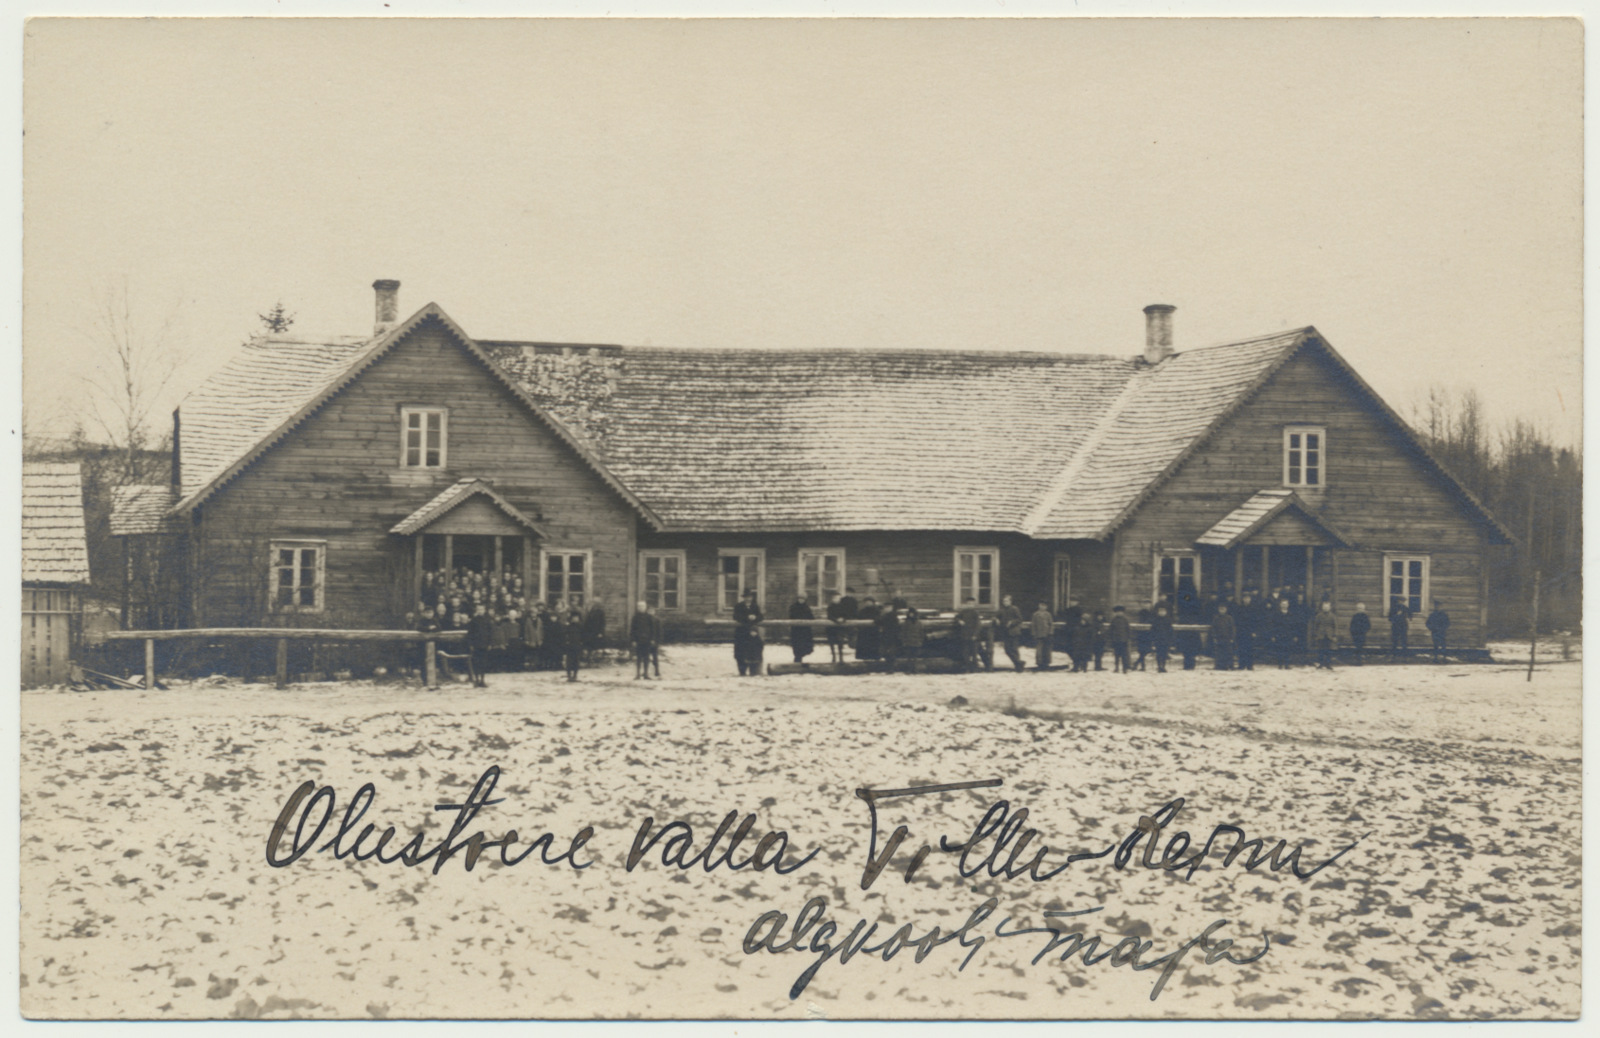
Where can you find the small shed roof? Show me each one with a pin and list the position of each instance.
(141, 509)
(54, 548)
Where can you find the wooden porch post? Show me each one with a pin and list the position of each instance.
(499, 555)
(1266, 572)
(283, 663)
(529, 592)
(1311, 558)
(149, 664)
(1238, 573)
(449, 556)
(416, 572)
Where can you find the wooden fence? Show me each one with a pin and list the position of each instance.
(283, 635)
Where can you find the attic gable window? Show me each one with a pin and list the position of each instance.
(422, 437)
(1304, 456)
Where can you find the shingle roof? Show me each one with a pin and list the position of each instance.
(455, 494)
(54, 550)
(1051, 445)
(265, 383)
(142, 509)
(1258, 511)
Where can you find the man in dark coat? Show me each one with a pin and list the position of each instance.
(1081, 643)
(801, 639)
(1399, 626)
(867, 637)
(594, 630)
(572, 643)
(1119, 633)
(1360, 624)
(1009, 623)
(839, 610)
(747, 647)
(1160, 638)
(912, 635)
(889, 635)
(1439, 626)
(968, 625)
(644, 631)
(1245, 631)
(1099, 647)
(1224, 633)
(1144, 637)
(479, 631)
(1044, 633)
(1284, 624)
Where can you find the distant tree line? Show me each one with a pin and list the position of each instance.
(1535, 489)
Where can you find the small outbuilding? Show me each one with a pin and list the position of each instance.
(55, 570)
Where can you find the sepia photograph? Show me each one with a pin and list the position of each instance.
(764, 519)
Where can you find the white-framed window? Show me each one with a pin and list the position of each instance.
(821, 573)
(566, 577)
(423, 433)
(1063, 581)
(1177, 571)
(661, 579)
(977, 575)
(296, 576)
(1305, 456)
(1405, 579)
(740, 570)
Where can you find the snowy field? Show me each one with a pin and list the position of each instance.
(147, 894)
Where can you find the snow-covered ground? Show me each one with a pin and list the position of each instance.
(145, 817)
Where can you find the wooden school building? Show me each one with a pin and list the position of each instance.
(316, 480)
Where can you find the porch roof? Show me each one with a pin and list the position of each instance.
(1249, 518)
(455, 495)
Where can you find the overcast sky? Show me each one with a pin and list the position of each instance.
(1412, 188)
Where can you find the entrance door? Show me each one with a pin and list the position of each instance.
(1063, 582)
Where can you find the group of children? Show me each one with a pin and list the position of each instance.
(504, 630)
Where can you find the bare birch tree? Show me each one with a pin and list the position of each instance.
(138, 358)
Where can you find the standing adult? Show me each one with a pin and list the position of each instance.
(1043, 627)
(801, 639)
(644, 631)
(867, 637)
(1081, 643)
(1324, 635)
(1224, 633)
(1009, 621)
(889, 635)
(912, 634)
(838, 634)
(747, 647)
(1145, 638)
(1244, 625)
(1160, 638)
(1099, 646)
(1439, 626)
(1360, 624)
(1284, 624)
(572, 642)
(594, 630)
(968, 624)
(1399, 627)
(1119, 633)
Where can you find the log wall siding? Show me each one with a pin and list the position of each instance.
(918, 565)
(337, 478)
(1377, 494)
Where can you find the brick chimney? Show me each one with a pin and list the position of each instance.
(1157, 332)
(388, 305)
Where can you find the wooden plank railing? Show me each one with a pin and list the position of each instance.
(283, 635)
